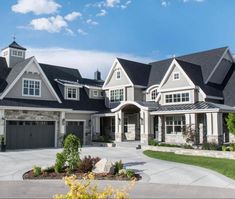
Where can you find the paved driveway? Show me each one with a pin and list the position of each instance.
(14, 164)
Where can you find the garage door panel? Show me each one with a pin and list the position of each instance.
(28, 135)
(76, 128)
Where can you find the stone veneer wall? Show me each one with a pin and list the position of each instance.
(35, 116)
(193, 152)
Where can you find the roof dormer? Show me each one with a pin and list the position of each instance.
(14, 54)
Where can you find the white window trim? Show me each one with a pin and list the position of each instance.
(77, 90)
(97, 93)
(173, 103)
(118, 71)
(17, 53)
(173, 125)
(176, 73)
(151, 97)
(124, 95)
(40, 87)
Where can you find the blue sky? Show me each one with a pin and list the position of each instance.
(89, 34)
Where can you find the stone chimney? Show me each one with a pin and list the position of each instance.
(97, 75)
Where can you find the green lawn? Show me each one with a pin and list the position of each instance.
(223, 166)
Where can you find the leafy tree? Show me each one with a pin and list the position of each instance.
(230, 120)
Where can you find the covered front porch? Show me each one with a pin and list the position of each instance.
(205, 120)
(129, 121)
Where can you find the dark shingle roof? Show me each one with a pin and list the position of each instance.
(83, 105)
(158, 70)
(206, 59)
(4, 71)
(16, 46)
(137, 72)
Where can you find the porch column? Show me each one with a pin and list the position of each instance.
(160, 128)
(187, 119)
(2, 122)
(215, 127)
(62, 123)
(193, 126)
(151, 133)
(119, 122)
(218, 127)
(145, 128)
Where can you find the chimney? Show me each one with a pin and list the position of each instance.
(97, 75)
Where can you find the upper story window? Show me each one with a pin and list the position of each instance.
(95, 93)
(17, 53)
(31, 87)
(118, 74)
(72, 93)
(154, 94)
(116, 95)
(176, 76)
(177, 98)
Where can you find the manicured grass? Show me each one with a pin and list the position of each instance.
(223, 166)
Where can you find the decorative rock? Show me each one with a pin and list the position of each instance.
(104, 166)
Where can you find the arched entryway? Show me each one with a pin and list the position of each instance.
(131, 123)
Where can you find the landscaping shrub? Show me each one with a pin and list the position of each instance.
(102, 139)
(71, 151)
(232, 147)
(49, 169)
(225, 148)
(210, 146)
(153, 142)
(86, 189)
(118, 166)
(87, 164)
(60, 161)
(37, 171)
(130, 174)
(169, 145)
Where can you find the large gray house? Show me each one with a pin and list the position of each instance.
(40, 103)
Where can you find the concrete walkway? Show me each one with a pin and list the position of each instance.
(14, 164)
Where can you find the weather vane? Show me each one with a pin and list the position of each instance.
(14, 37)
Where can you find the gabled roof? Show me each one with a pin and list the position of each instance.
(137, 72)
(158, 70)
(16, 46)
(206, 59)
(14, 72)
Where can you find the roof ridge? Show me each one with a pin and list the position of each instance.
(118, 58)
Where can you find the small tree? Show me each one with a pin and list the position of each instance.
(230, 120)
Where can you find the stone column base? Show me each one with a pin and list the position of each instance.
(118, 137)
(144, 139)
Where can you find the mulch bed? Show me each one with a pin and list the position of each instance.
(53, 175)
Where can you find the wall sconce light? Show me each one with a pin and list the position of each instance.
(141, 121)
(3, 118)
(119, 120)
(63, 121)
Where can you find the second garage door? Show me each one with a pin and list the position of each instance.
(76, 128)
(30, 134)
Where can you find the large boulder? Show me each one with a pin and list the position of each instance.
(104, 166)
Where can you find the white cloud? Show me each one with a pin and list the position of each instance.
(165, 3)
(112, 3)
(72, 16)
(51, 24)
(36, 6)
(70, 32)
(84, 60)
(102, 13)
(82, 32)
(91, 22)
(124, 6)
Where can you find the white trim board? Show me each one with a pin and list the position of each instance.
(169, 71)
(111, 71)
